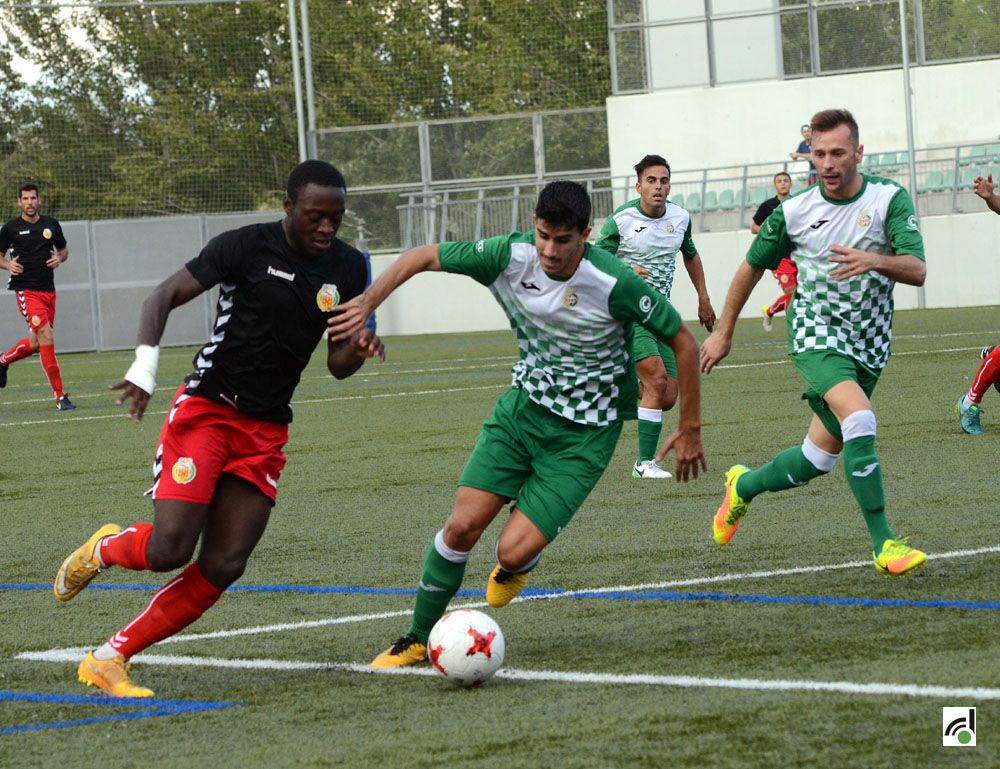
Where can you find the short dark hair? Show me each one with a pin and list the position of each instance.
(781, 173)
(564, 204)
(829, 119)
(27, 187)
(648, 162)
(317, 172)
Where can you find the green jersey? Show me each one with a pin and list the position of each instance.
(573, 333)
(650, 242)
(853, 316)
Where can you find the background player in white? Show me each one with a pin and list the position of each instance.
(551, 435)
(647, 233)
(852, 238)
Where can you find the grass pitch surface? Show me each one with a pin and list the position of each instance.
(651, 646)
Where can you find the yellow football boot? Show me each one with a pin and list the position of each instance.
(503, 587)
(897, 557)
(81, 565)
(727, 519)
(110, 675)
(406, 651)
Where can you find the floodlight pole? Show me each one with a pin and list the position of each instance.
(293, 35)
(310, 92)
(910, 144)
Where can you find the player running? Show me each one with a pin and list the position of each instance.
(647, 233)
(853, 237)
(551, 436)
(219, 456)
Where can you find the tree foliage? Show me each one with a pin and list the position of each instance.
(153, 109)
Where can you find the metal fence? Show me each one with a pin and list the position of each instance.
(719, 199)
(662, 44)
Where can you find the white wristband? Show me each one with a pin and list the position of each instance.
(142, 372)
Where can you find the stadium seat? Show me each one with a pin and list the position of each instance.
(677, 200)
(949, 181)
(968, 177)
(932, 182)
(903, 159)
(887, 162)
(977, 155)
(711, 201)
(757, 196)
(993, 153)
(693, 203)
(727, 200)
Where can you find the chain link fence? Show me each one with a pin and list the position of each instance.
(659, 45)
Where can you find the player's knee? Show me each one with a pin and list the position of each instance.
(222, 570)
(860, 424)
(461, 533)
(166, 554)
(668, 397)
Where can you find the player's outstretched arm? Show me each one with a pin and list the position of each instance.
(140, 380)
(685, 441)
(349, 318)
(718, 344)
(984, 189)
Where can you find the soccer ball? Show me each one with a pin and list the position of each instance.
(466, 647)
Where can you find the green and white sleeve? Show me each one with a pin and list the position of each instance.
(483, 260)
(901, 226)
(634, 300)
(772, 243)
(610, 238)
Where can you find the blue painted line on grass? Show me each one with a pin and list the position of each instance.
(145, 708)
(612, 596)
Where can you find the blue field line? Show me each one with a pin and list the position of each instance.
(146, 708)
(597, 594)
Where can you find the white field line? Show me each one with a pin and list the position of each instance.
(373, 396)
(561, 676)
(739, 577)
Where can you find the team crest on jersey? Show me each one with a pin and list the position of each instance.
(864, 219)
(570, 298)
(328, 297)
(47, 233)
(912, 224)
(480, 245)
(668, 228)
(183, 471)
(36, 321)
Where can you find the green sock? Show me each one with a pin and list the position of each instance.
(649, 438)
(787, 470)
(443, 577)
(864, 476)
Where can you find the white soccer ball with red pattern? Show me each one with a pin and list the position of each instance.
(466, 647)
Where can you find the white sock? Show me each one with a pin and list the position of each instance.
(967, 401)
(105, 652)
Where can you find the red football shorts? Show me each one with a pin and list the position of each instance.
(201, 440)
(37, 308)
(787, 274)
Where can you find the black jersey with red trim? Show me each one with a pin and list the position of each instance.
(32, 243)
(272, 311)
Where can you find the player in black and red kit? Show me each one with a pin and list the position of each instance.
(39, 247)
(219, 455)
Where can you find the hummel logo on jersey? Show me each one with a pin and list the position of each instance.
(639, 229)
(24, 232)
(280, 274)
(530, 286)
(866, 472)
(818, 224)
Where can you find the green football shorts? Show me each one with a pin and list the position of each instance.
(822, 369)
(645, 345)
(545, 463)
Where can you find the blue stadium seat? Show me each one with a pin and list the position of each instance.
(977, 155)
(711, 201)
(968, 177)
(949, 181)
(677, 200)
(727, 200)
(993, 153)
(693, 202)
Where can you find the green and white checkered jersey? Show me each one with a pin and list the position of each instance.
(573, 334)
(852, 316)
(650, 242)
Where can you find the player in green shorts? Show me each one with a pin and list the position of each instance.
(647, 234)
(572, 307)
(852, 237)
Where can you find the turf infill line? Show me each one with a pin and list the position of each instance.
(560, 676)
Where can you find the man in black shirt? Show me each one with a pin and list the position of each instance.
(37, 248)
(787, 273)
(219, 455)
